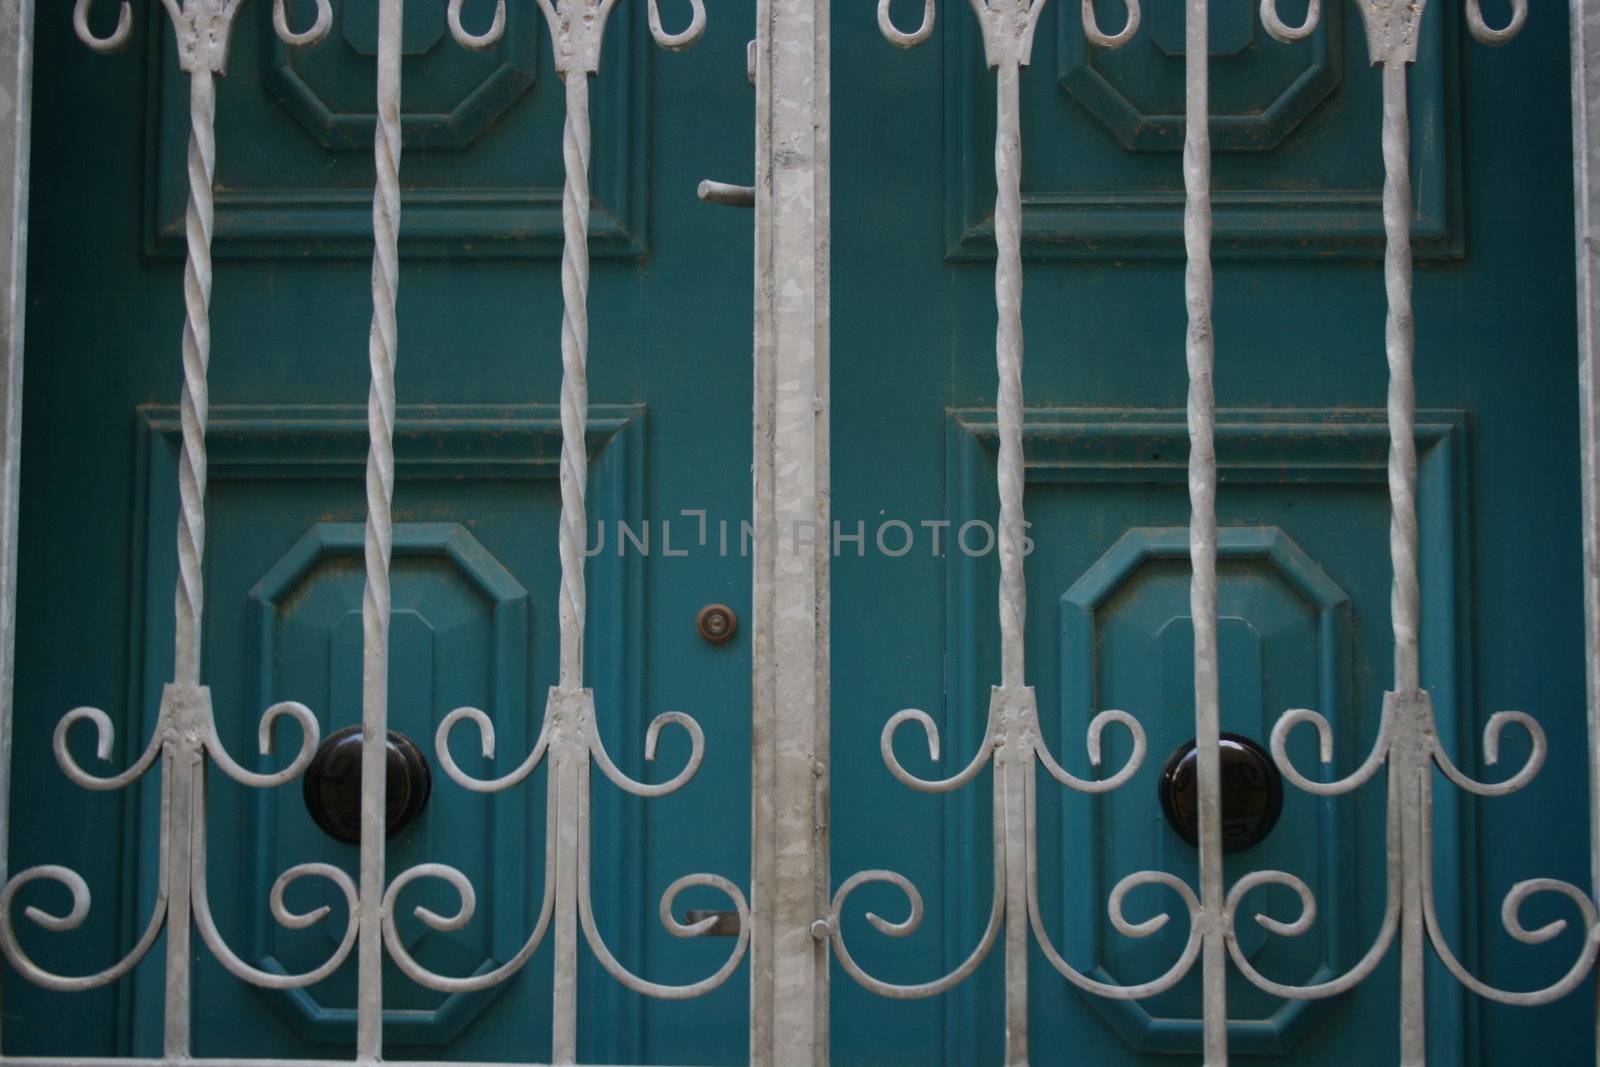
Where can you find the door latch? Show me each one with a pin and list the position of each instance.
(713, 192)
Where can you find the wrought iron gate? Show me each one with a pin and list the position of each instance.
(791, 926)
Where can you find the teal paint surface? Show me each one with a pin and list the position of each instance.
(1300, 365)
(1299, 324)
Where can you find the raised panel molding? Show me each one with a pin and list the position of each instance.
(1092, 449)
(482, 134)
(1296, 171)
(276, 447)
(1252, 111)
(437, 113)
(1271, 557)
(309, 604)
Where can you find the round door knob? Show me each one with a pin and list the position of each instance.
(333, 784)
(1252, 792)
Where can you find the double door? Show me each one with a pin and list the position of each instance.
(912, 536)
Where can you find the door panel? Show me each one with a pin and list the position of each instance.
(285, 624)
(480, 134)
(1304, 593)
(1300, 363)
(1294, 171)
(475, 567)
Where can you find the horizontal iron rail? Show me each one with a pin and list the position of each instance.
(225, 1061)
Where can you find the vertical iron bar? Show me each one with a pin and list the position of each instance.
(184, 708)
(1014, 767)
(1408, 764)
(1585, 20)
(574, 374)
(565, 783)
(177, 766)
(382, 351)
(566, 745)
(769, 1043)
(1008, 367)
(1200, 356)
(183, 751)
(1013, 600)
(16, 63)
(1399, 345)
(790, 695)
(195, 402)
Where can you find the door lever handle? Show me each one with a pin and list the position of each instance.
(730, 195)
(721, 192)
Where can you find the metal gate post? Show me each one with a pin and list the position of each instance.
(1586, 191)
(789, 708)
(16, 108)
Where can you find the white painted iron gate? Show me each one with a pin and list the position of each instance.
(788, 925)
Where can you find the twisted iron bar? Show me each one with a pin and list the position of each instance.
(194, 405)
(1408, 742)
(185, 736)
(378, 540)
(1201, 415)
(572, 606)
(569, 735)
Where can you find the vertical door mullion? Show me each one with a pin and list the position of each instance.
(790, 698)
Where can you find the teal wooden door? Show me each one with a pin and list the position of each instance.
(1304, 566)
(476, 507)
(1301, 449)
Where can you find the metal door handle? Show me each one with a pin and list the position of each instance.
(713, 192)
(723, 193)
(333, 784)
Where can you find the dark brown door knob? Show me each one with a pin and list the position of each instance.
(1252, 792)
(333, 784)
